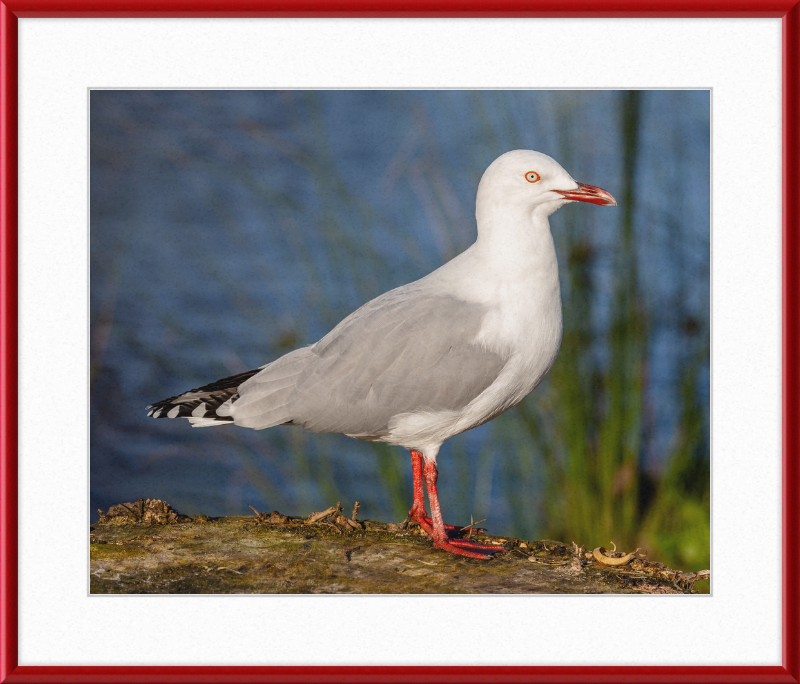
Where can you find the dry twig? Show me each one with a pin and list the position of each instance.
(316, 517)
(471, 525)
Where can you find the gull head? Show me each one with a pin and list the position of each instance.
(533, 181)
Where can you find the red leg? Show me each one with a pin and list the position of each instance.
(439, 535)
(418, 513)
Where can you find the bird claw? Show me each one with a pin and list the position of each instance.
(425, 522)
(462, 547)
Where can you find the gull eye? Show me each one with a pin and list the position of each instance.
(532, 177)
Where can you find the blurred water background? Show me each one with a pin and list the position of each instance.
(230, 227)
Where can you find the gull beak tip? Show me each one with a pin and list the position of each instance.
(589, 193)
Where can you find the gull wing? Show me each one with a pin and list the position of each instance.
(403, 352)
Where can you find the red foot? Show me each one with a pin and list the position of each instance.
(461, 546)
(486, 548)
(453, 531)
(423, 521)
(442, 535)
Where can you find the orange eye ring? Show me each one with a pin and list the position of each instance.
(532, 177)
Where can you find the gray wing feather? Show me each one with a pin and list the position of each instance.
(400, 353)
(264, 399)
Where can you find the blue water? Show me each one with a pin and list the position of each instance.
(229, 227)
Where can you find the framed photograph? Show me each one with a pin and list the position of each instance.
(149, 153)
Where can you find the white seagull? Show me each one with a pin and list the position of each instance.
(429, 360)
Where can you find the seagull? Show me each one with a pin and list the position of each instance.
(429, 360)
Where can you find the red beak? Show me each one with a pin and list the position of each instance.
(588, 193)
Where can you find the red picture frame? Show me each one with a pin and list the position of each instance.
(787, 10)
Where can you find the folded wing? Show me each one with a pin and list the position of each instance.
(403, 352)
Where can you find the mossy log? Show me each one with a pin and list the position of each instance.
(146, 547)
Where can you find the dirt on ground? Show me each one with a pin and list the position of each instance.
(147, 547)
